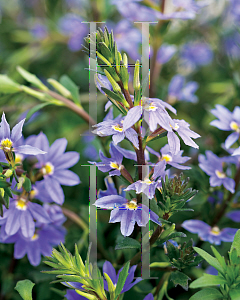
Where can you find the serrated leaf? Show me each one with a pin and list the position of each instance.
(236, 243)
(31, 78)
(24, 288)
(207, 280)
(122, 279)
(210, 259)
(207, 294)
(179, 278)
(72, 87)
(128, 243)
(35, 109)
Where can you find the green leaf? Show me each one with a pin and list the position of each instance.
(35, 109)
(4, 184)
(31, 78)
(179, 278)
(234, 294)
(128, 243)
(236, 243)
(72, 87)
(121, 280)
(207, 294)
(210, 259)
(160, 264)
(219, 258)
(8, 86)
(27, 185)
(24, 288)
(207, 280)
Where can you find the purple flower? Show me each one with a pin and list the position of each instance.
(21, 215)
(234, 215)
(236, 151)
(231, 45)
(8, 142)
(111, 190)
(227, 121)
(212, 166)
(110, 271)
(107, 164)
(55, 213)
(127, 212)
(182, 128)
(165, 53)
(154, 111)
(149, 297)
(196, 54)
(179, 91)
(115, 128)
(53, 166)
(72, 26)
(145, 186)
(216, 198)
(41, 243)
(207, 233)
(39, 31)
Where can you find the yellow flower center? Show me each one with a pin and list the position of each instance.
(33, 193)
(114, 165)
(117, 128)
(215, 230)
(48, 169)
(147, 181)
(132, 205)
(220, 174)
(21, 204)
(6, 145)
(34, 237)
(18, 158)
(235, 126)
(167, 157)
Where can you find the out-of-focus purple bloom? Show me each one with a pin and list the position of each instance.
(8, 140)
(21, 215)
(212, 165)
(195, 55)
(216, 198)
(54, 165)
(149, 297)
(127, 212)
(90, 152)
(154, 112)
(182, 128)
(41, 243)
(124, 31)
(39, 31)
(165, 53)
(107, 164)
(207, 233)
(178, 90)
(211, 270)
(115, 128)
(234, 215)
(231, 45)
(227, 121)
(111, 190)
(72, 26)
(110, 271)
(236, 151)
(145, 186)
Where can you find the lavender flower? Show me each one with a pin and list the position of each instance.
(110, 271)
(41, 243)
(107, 164)
(212, 166)
(8, 141)
(21, 215)
(115, 128)
(177, 90)
(53, 166)
(154, 113)
(195, 55)
(234, 215)
(145, 186)
(127, 212)
(39, 31)
(227, 121)
(71, 25)
(165, 53)
(207, 233)
(111, 190)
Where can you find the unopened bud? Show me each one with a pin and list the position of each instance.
(20, 182)
(8, 173)
(60, 88)
(2, 192)
(136, 80)
(114, 84)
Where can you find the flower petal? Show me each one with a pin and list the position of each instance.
(54, 189)
(17, 131)
(26, 149)
(66, 177)
(4, 128)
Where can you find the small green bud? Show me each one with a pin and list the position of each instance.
(114, 84)
(136, 80)
(32, 79)
(8, 173)
(8, 86)
(167, 231)
(29, 91)
(125, 60)
(20, 182)
(60, 88)
(86, 295)
(2, 192)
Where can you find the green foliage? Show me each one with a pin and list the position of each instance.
(127, 243)
(24, 287)
(228, 273)
(179, 278)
